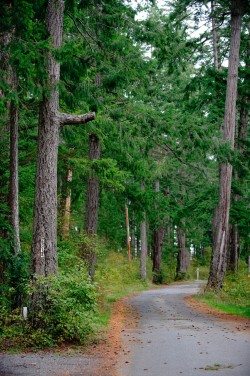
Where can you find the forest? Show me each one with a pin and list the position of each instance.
(124, 148)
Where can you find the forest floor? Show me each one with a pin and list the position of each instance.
(159, 332)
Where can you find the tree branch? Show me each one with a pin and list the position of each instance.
(66, 119)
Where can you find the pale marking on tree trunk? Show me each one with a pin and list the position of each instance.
(42, 248)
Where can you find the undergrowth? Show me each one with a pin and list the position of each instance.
(234, 298)
(75, 310)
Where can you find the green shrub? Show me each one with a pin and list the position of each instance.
(68, 313)
(63, 308)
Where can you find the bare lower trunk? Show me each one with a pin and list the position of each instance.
(14, 179)
(92, 204)
(233, 248)
(143, 256)
(234, 237)
(158, 238)
(128, 233)
(220, 229)
(221, 217)
(133, 241)
(67, 207)
(183, 257)
(45, 215)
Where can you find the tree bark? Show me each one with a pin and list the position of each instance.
(67, 207)
(44, 252)
(215, 37)
(66, 119)
(92, 204)
(144, 246)
(128, 233)
(221, 217)
(183, 257)
(234, 237)
(14, 177)
(233, 254)
(13, 114)
(158, 237)
(45, 216)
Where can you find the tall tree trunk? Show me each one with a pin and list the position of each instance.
(233, 248)
(44, 252)
(158, 237)
(144, 248)
(144, 245)
(14, 178)
(234, 238)
(215, 37)
(92, 204)
(13, 198)
(234, 243)
(221, 217)
(67, 207)
(45, 215)
(134, 237)
(128, 232)
(183, 257)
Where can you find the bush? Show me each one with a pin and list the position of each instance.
(63, 309)
(68, 313)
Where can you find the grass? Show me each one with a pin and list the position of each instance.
(234, 298)
(116, 278)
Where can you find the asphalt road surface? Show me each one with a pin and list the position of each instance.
(46, 364)
(172, 339)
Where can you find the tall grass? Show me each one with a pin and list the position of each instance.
(234, 298)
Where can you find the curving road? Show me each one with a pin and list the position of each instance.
(171, 339)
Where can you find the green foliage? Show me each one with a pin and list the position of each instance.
(61, 309)
(116, 277)
(234, 297)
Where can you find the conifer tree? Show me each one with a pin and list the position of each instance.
(221, 217)
(44, 252)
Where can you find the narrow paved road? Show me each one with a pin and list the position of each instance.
(171, 339)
